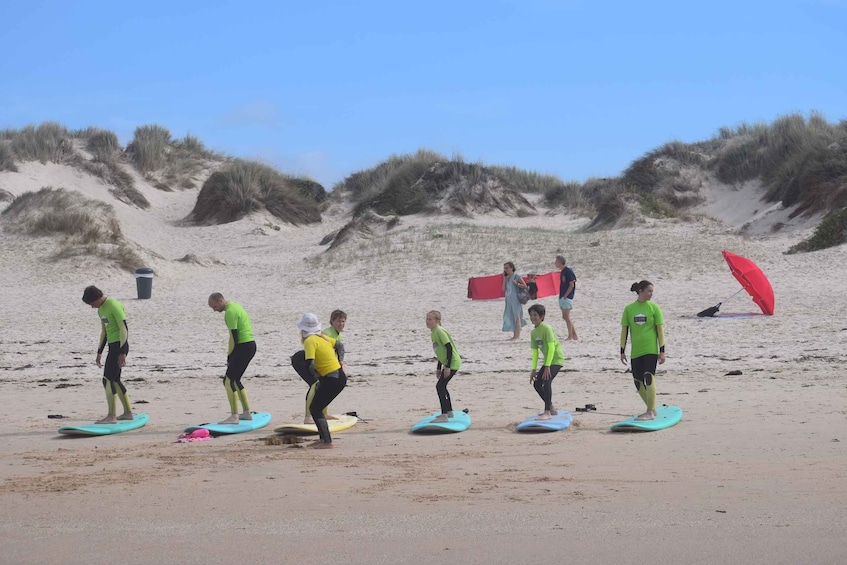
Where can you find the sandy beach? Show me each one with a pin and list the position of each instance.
(754, 473)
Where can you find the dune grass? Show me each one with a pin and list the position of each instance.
(86, 227)
(49, 142)
(149, 146)
(830, 232)
(244, 187)
(7, 157)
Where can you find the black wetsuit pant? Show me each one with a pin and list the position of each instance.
(329, 386)
(644, 369)
(237, 361)
(111, 369)
(544, 388)
(443, 393)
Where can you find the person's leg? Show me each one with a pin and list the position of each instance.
(566, 315)
(248, 352)
(111, 376)
(544, 387)
(230, 387)
(444, 398)
(643, 373)
(328, 388)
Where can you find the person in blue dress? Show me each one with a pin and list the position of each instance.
(513, 319)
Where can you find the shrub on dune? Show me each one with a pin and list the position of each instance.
(245, 187)
(49, 142)
(149, 146)
(7, 158)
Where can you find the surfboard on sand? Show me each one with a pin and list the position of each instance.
(260, 420)
(666, 416)
(558, 422)
(458, 423)
(342, 423)
(137, 421)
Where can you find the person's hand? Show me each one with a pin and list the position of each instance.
(661, 357)
(121, 360)
(545, 375)
(623, 358)
(532, 376)
(445, 374)
(97, 360)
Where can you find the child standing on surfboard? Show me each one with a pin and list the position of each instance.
(324, 366)
(643, 319)
(448, 365)
(545, 343)
(337, 320)
(114, 332)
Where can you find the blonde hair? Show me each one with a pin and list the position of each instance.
(436, 315)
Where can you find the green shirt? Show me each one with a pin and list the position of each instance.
(236, 319)
(440, 339)
(111, 314)
(543, 339)
(642, 318)
(330, 331)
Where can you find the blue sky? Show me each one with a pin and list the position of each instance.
(572, 88)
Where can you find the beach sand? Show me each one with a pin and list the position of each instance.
(754, 473)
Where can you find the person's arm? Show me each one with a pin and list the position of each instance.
(102, 345)
(518, 281)
(339, 349)
(233, 339)
(660, 333)
(624, 335)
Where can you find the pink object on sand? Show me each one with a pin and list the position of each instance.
(200, 434)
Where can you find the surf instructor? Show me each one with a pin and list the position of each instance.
(643, 319)
(241, 350)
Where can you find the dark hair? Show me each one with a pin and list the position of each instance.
(639, 286)
(561, 259)
(512, 265)
(337, 315)
(91, 294)
(539, 309)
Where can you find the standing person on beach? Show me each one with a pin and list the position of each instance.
(567, 288)
(325, 368)
(241, 350)
(448, 364)
(643, 319)
(513, 319)
(337, 321)
(114, 332)
(544, 343)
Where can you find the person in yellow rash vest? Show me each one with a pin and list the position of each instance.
(643, 319)
(240, 352)
(337, 321)
(114, 332)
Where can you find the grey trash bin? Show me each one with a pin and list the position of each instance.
(144, 282)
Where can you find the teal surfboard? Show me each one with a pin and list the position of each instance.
(137, 421)
(458, 423)
(666, 416)
(260, 420)
(558, 422)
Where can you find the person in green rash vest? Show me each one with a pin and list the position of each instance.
(643, 319)
(240, 352)
(448, 364)
(114, 332)
(545, 343)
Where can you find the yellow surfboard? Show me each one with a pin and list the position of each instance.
(342, 423)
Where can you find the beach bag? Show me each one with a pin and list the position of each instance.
(523, 295)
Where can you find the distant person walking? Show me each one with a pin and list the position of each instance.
(448, 362)
(643, 319)
(567, 288)
(545, 346)
(241, 350)
(513, 319)
(114, 332)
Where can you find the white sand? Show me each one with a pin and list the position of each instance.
(755, 472)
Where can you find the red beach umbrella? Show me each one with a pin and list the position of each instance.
(752, 279)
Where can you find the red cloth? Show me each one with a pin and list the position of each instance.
(491, 287)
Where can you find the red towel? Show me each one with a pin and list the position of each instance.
(491, 288)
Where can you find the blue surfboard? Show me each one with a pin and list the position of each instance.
(666, 416)
(260, 420)
(558, 422)
(458, 423)
(137, 421)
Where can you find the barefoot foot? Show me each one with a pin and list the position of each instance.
(107, 420)
(246, 415)
(648, 415)
(126, 416)
(323, 445)
(233, 419)
(440, 419)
